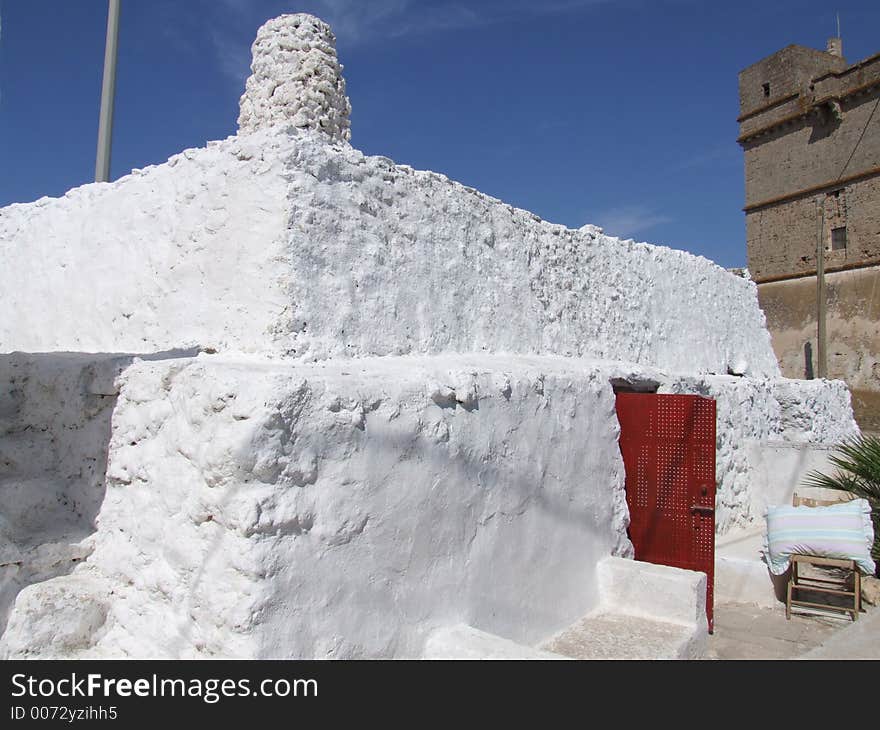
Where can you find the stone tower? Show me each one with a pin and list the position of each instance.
(810, 133)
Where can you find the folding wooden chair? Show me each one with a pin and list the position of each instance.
(828, 586)
(819, 497)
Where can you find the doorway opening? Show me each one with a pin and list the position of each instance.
(668, 448)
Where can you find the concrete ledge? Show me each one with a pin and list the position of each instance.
(746, 581)
(645, 611)
(741, 575)
(465, 642)
(657, 592)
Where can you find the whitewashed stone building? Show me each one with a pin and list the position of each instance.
(274, 397)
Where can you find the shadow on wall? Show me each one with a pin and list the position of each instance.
(55, 412)
(825, 121)
(501, 584)
(67, 403)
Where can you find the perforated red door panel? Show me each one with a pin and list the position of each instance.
(668, 448)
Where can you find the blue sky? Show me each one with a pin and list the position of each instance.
(615, 112)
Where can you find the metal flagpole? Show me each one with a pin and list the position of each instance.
(108, 94)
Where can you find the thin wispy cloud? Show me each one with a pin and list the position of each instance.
(1, 41)
(355, 21)
(711, 157)
(237, 6)
(233, 56)
(627, 220)
(233, 23)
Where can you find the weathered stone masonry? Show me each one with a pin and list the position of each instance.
(810, 132)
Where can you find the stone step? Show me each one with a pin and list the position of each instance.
(465, 642)
(624, 636)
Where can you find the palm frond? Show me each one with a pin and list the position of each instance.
(858, 468)
(858, 472)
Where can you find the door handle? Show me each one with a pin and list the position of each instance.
(702, 510)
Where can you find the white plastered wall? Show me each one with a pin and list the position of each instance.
(349, 508)
(340, 509)
(282, 243)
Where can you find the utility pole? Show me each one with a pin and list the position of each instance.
(821, 335)
(108, 94)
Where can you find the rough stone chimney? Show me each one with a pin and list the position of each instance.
(835, 47)
(296, 79)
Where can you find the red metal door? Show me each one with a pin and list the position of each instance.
(668, 448)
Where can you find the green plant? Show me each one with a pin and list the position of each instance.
(858, 464)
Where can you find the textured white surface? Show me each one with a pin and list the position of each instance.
(349, 507)
(281, 243)
(645, 611)
(54, 428)
(751, 410)
(190, 252)
(658, 592)
(296, 79)
(55, 425)
(343, 509)
(465, 642)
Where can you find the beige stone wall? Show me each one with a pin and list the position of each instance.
(814, 150)
(812, 161)
(786, 72)
(781, 239)
(810, 132)
(853, 325)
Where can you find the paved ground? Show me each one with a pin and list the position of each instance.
(747, 631)
(861, 640)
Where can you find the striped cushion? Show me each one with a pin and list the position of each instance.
(839, 531)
